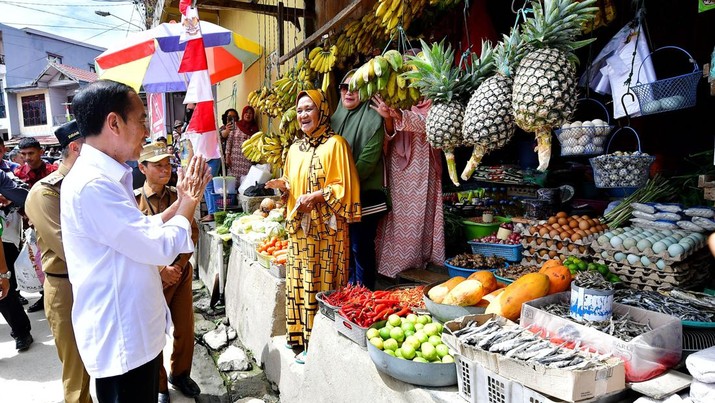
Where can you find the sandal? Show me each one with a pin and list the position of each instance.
(207, 218)
(300, 357)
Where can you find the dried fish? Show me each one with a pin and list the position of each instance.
(593, 280)
(683, 304)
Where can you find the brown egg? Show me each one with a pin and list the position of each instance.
(559, 245)
(582, 249)
(550, 243)
(565, 227)
(573, 223)
(575, 217)
(554, 233)
(591, 223)
(562, 221)
(587, 232)
(551, 220)
(543, 252)
(561, 214)
(556, 225)
(563, 235)
(576, 237)
(584, 225)
(571, 247)
(585, 217)
(543, 231)
(552, 253)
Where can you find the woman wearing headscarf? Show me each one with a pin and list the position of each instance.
(236, 132)
(362, 127)
(412, 235)
(323, 197)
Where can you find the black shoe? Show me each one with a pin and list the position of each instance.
(22, 299)
(39, 305)
(186, 385)
(164, 397)
(23, 343)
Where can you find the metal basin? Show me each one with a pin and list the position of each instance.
(416, 373)
(444, 312)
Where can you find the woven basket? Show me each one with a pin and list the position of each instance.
(668, 94)
(621, 171)
(585, 140)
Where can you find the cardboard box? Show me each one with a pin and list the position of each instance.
(645, 356)
(562, 384)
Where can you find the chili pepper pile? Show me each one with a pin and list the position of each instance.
(347, 294)
(410, 296)
(369, 309)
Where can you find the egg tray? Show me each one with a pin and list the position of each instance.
(598, 248)
(680, 275)
(562, 254)
(701, 261)
(583, 241)
(652, 285)
(542, 243)
(563, 249)
(532, 260)
(664, 282)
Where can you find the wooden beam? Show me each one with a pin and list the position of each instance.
(339, 17)
(252, 7)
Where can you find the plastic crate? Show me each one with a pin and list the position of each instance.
(351, 330)
(277, 270)
(248, 247)
(249, 204)
(263, 260)
(477, 384)
(325, 308)
(218, 200)
(511, 253)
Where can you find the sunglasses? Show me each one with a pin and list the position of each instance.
(343, 87)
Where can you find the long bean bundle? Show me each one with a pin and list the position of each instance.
(657, 188)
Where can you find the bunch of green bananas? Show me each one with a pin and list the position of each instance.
(291, 83)
(289, 126)
(383, 75)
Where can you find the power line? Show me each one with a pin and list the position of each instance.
(55, 26)
(68, 5)
(60, 15)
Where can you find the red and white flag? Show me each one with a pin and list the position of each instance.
(202, 130)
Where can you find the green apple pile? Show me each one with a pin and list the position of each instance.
(414, 337)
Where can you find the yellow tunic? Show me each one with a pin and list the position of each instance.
(319, 245)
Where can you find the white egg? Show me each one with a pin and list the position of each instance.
(633, 259)
(629, 243)
(645, 261)
(644, 244)
(666, 232)
(675, 249)
(698, 236)
(604, 254)
(603, 240)
(619, 256)
(668, 242)
(617, 242)
(660, 264)
(678, 235)
(659, 247)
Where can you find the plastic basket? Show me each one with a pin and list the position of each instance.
(511, 253)
(218, 200)
(454, 271)
(474, 230)
(585, 140)
(668, 94)
(621, 171)
(325, 308)
(248, 247)
(249, 204)
(351, 330)
(477, 384)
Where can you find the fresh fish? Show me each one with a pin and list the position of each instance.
(511, 344)
(522, 348)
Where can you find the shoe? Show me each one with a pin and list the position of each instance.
(300, 357)
(39, 305)
(207, 218)
(164, 397)
(186, 385)
(22, 299)
(23, 343)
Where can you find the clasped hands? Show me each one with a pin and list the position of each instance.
(193, 179)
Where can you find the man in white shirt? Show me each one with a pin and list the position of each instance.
(120, 317)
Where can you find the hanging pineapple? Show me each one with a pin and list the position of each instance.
(544, 93)
(438, 79)
(488, 120)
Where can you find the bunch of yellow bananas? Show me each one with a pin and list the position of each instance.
(265, 101)
(253, 147)
(390, 13)
(291, 83)
(321, 59)
(383, 75)
(289, 126)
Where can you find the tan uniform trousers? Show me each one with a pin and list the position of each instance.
(58, 308)
(180, 301)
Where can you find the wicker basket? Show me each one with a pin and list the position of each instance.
(621, 171)
(585, 140)
(668, 94)
(249, 204)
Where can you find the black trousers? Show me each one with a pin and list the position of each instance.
(10, 306)
(140, 385)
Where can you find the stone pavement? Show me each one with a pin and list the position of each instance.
(34, 376)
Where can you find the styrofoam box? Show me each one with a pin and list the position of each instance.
(561, 384)
(647, 355)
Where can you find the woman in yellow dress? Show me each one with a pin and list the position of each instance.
(323, 191)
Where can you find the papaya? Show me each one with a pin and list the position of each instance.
(550, 262)
(526, 288)
(489, 282)
(559, 278)
(466, 293)
(438, 292)
(494, 294)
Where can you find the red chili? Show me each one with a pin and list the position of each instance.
(403, 312)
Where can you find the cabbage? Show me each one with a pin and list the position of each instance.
(275, 229)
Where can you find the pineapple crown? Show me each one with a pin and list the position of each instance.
(480, 67)
(435, 75)
(556, 23)
(509, 52)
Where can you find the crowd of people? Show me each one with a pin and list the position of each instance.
(362, 173)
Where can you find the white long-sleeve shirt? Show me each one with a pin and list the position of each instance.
(119, 315)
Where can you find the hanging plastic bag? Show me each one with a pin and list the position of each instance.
(258, 174)
(28, 268)
(610, 69)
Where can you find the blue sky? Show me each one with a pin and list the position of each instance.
(74, 19)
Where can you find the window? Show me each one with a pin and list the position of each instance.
(2, 102)
(51, 57)
(33, 110)
(91, 68)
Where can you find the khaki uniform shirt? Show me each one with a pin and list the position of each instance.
(43, 209)
(151, 203)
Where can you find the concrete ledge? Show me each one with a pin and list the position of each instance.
(255, 304)
(211, 267)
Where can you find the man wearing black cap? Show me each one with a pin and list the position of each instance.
(43, 209)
